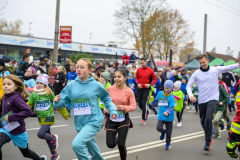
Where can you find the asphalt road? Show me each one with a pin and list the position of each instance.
(142, 142)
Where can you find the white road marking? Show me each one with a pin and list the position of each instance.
(150, 145)
(141, 116)
(31, 129)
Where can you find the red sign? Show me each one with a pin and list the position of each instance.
(65, 34)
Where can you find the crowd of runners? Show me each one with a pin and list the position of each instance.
(94, 93)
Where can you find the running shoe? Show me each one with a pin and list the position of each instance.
(43, 157)
(168, 146)
(179, 124)
(217, 135)
(143, 123)
(55, 156)
(196, 112)
(207, 146)
(162, 136)
(54, 142)
(221, 123)
(228, 126)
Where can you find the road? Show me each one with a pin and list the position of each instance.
(142, 142)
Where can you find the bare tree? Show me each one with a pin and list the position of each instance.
(3, 7)
(131, 20)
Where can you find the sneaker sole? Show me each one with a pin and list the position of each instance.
(58, 157)
(56, 142)
(143, 124)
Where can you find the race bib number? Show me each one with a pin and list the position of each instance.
(42, 105)
(155, 90)
(196, 93)
(120, 118)
(162, 102)
(9, 126)
(81, 106)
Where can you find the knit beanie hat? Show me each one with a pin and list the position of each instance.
(43, 78)
(33, 70)
(168, 84)
(107, 74)
(178, 84)
(220, 76)
(185, 77)
(2, 62)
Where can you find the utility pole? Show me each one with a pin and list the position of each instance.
(55, 51)
(205, 34)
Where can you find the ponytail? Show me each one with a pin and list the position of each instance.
(96, 78)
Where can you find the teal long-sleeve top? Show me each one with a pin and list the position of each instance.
(90, 90)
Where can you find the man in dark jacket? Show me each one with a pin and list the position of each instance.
(23, 67)
(132, 58)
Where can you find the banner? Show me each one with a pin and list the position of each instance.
(65, 34)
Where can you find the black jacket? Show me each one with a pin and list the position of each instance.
(58, 87)
(227, 77)
(67, 67)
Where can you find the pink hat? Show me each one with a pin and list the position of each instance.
(33, 70)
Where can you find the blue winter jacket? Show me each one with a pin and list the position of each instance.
(71, 76)
(132, 82)
(157, 87)
(90, 90)
(132, 58)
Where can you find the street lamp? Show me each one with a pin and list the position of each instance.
(90, 38)
(30, 28)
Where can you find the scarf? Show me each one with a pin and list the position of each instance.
(204, 70)
(39, 91)
(167, 95)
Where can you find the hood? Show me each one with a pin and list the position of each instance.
(86, 82)
(42, 68)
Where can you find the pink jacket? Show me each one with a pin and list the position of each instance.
(123, 97)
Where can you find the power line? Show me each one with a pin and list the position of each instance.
(223, 8)
(228, 5)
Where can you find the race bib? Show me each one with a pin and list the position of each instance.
(196, 93)
(42, 105)
(155, 90)
(81, 106)
(131, 84)
(162, 102)
(9, 126)
(120, 118)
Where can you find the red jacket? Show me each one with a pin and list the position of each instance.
(125, 58)
(146, 76)
(224, 86)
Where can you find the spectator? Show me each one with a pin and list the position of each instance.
(23, 67)
(134, 70)
(125, 58)
(116, 66)
(163, 79)
(184, 73)
(60, 80)
(100, 66)
(99, 71)
(47, 62)
(51, 73)
(175, 77)
(67, 66)
(71, 75)
(169, 73)
(10, 66)
(59, 57)
(132, 58)
(41, 69)
(46, 55)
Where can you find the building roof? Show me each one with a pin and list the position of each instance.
(225, 58)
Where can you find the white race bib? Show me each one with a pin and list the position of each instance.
(42, 105)
(162, 102)
(155, 90)
(81, 106)
(10, 126)
(120, 118)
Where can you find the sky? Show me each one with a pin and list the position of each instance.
(96, 17)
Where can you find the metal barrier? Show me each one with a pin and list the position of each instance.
(21, 78)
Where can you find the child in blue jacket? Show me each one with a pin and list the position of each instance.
(157, 86)
(232, 98)
(166, 105)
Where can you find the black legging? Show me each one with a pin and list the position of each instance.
(27, 153)
(122, 136)
(178, 116)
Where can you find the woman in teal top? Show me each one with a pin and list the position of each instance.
(88, 118)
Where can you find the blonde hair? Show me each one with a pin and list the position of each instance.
(19, 84)
(68, 60)
(62, 69)
(90, 66)
(48, 90)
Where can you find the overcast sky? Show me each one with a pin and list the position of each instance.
(96, 17)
